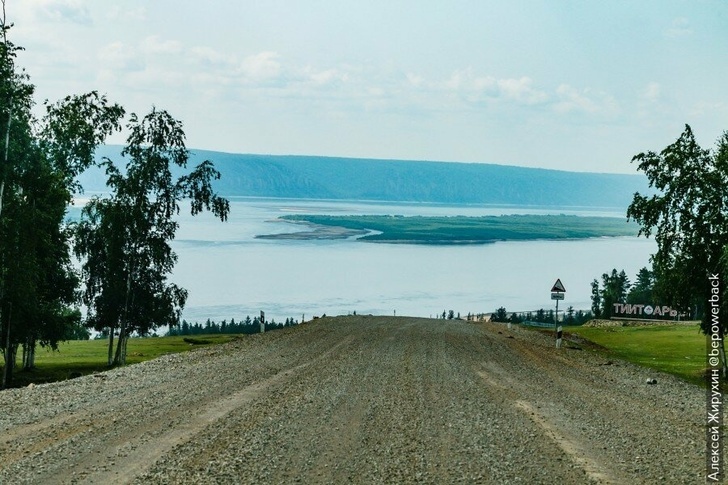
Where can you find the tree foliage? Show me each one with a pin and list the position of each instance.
(125, 238)
(688, 217)
(38, 163)
(614, 290)
(571, 317)
(74, 127)
(247, 326)
(596, 299)
(500, 315)
(641, 291)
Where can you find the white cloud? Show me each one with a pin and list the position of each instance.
(157, 78)
(481, 88)
(466, 82)
(327, 77)
(521, 90)
(59, 11)
(652, 92)
(679, 27)
(118, 56)
(157, 63)
(571, 99)
(415, 80)
(654, 105)
(129, 14)
(719, 109)
(212, 57)
(149, 65)
(262, 66)
(154, 45)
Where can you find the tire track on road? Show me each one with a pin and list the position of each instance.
(138, 461)
(515, 393)
(596, 471)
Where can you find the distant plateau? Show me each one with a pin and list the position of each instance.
(331, 178)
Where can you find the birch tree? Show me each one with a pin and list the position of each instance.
(38, 163)
(125, 238)
(689, 219)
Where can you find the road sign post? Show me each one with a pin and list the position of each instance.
(557, 293)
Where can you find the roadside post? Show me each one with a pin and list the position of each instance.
(262, 321)
(557, 293)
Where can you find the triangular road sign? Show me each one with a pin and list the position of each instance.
(559, 286)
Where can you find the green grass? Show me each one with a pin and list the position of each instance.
(472, 230)
(679, 350)
(89, 356)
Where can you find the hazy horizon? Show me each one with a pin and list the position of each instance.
(576, 86)
(194, 150)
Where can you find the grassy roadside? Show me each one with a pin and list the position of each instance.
(678, 350)
(89, 356)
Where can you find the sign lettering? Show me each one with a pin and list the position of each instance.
(639, 309)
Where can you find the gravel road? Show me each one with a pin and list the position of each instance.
(361, 400)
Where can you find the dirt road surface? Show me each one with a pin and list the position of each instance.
(361, 400)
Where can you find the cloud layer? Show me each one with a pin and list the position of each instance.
(568, 86)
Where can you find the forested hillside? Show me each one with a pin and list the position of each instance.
(414, 181)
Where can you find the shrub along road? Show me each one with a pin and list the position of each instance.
(362, 400)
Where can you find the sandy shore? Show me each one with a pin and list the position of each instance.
(316, 231)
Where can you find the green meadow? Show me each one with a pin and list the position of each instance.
(473, 230)
(89, 356)
(679, 350)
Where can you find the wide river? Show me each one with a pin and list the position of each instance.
(230, 274)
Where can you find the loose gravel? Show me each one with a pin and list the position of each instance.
(361, 400)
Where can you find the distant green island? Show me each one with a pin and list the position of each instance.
(454, 230)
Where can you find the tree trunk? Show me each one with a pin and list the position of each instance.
(7, 374)
(29, 354)
(110, 361)
(119, 358)
(722, 357)
(9, 353)
(123, 350)
(10, 358)
(10, 119)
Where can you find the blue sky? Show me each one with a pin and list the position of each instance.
(571, 85)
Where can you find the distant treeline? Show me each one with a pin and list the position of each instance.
(570, 316)
(210, 327)
(567, 317)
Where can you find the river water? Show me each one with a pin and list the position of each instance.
(230, 274)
